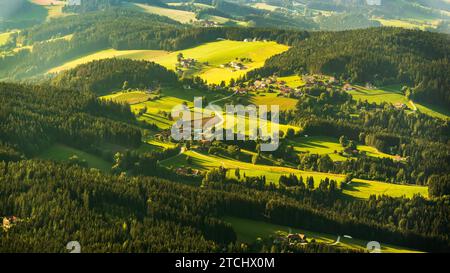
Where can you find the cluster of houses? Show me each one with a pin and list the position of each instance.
(319, 80)
(207, 23)
(186, 62)
(248, 40)
(234, 65)
(292, 238)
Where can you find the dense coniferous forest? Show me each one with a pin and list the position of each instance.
(34, 117)
(110, 74)
(112, 213)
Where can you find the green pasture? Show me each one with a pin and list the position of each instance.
(249, 230)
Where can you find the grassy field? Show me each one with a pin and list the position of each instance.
(265, 6)
(109, 53)
(177, 15)
(249, 230)
(408, 23)
(328, 145)
(4, 37)
(392, 94)
(59, 152)
(389, 94)
(272, 99)
(222, 52)
(131, 98)
(215, 54)
(358, 189)
(434, 111)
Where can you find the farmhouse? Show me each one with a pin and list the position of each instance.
(297, 238)
(347, 87)
(400, 106)
(187, 63)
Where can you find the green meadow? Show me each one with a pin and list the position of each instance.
(324, 145)
(60, 152)
(212, 55)
(4, 37)
(361, 189)
(248, 231)
(270, 99)
(392, 94)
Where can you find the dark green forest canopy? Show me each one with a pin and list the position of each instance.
(34, 117)
(116, 213)
(107, 75)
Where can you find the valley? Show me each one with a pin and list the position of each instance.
(92, 97)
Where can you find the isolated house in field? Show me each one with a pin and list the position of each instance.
(297, 238)
(347, 87)
(399, 106)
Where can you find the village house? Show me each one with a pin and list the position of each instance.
(297, 238)
(400, 106)
(347, 87)
(187, 63)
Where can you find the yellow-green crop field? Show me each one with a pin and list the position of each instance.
(214, 54)
(4, 37)
(272, 99)
(174, 14)
(223, 52)
(292, 81)
(248, 231)
(392, 94)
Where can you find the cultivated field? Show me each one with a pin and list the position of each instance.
(54, 8)
(4, 37)
(272, 99)
(389, 94)
(248, 231)
(265, 6)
